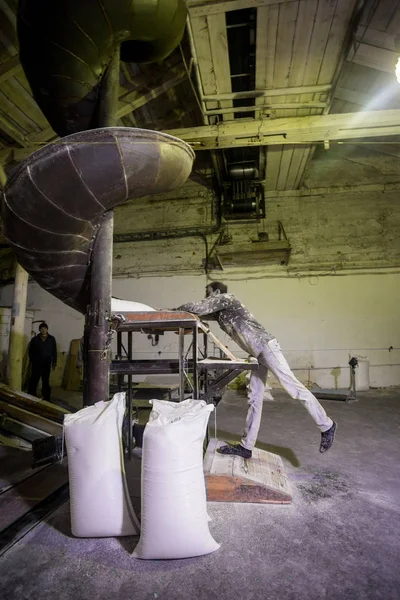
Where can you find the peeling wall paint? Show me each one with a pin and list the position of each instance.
(354, 229)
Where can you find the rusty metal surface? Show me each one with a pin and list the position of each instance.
(66, 47)
(164, 320)
(53, 203)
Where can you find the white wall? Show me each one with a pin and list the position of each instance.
(319, 321)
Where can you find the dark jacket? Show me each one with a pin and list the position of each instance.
(43, 352)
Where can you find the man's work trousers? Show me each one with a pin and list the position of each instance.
(272, 358)
(40, 370)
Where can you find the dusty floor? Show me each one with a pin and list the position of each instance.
(338, 540)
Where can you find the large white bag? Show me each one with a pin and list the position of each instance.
(118, 305)
(99, 499)
(174, 506)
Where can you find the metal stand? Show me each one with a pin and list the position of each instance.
(200, 368)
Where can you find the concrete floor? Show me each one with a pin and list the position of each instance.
(338, 540)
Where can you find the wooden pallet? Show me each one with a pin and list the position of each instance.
(262, 479)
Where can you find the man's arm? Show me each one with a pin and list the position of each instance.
(31, 349)
(54, 353)
(208, 306)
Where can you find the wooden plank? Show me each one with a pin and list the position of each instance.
(375, 58)
(220, 58)
(14, 467)
(199, 8)
(12, 130)
(24, 101)
(293, 130)
(274, 156)
(10, 68)
(308, 152)
(268, 108)
(261, 479)
(284, 48)
(295, 164)
(26, 432)
(32, 404)
(31, 419)
(380, 39)
(352, 96)
(133, 101)
(393, 27)
(302, 40)
(216, 341)
(202, 47)
(26, 495)
(286, 159)
(317, 46)
(267, 27)
(258, 93)
(382, 15)
(336, 39)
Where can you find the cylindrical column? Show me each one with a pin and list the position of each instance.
(97, 324)
(16, 338)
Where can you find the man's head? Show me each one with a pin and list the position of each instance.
(216, 287)
(43, 329)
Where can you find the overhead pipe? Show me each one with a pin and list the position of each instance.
(66, 47)
(54, 202)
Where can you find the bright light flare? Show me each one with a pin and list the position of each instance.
(397, 70)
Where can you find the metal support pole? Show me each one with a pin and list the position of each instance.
(181, 364)
(130, 354)
(97, 325)
(98, 313)
(16, 337)
(195, 363)
(120, 378)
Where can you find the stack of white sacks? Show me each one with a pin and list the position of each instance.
(174, 509)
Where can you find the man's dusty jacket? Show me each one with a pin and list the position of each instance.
(234, 319)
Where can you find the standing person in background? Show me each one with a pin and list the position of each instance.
(43, 356)
(235, 320)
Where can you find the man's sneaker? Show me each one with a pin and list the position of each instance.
(327, 438)
(235, 449)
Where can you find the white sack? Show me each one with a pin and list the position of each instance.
(174, 505)
(129, 306)
(100, 503)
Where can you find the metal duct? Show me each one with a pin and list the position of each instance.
(66, 46)
(241, 172)
(54, 202)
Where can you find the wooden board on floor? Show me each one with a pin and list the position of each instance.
(26, 495)
(262, 479)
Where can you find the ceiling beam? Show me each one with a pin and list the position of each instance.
(128, 103)
(352, 96)
(134, 100)
(269, 132)
(373, 37)
(266, 108)
(373, 57)
(305, 89)
(11, 67)
(293, 130)
(203, 8)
